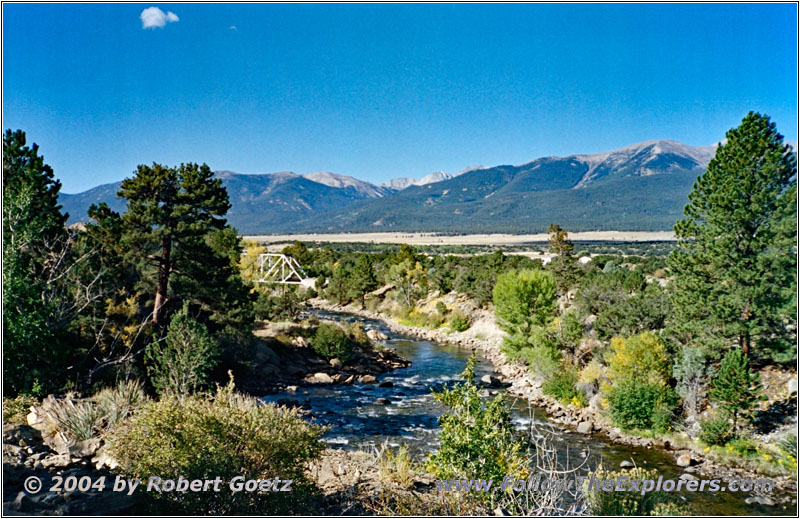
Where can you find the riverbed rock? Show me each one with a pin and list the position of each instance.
(586, 427)
(688, 477)
(322, 378)
(388, 383)
(684, 460)
(490, 380)
(263, 354)
(349, 380)
(626, 464)
(292, 389)
(375, 335)
(336, 363)
(367, 379)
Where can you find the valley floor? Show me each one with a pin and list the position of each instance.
(421, 238)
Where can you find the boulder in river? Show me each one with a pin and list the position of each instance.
(684, 460)
(386, 384)
(586, 427)
(626, 464)
(336, 363)
(490, 380)
(367, 379)
(375, 335)
(322, 378)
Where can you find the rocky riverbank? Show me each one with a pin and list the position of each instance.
(485, 337)
(283, 360)
(26, 455)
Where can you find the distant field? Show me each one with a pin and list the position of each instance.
(467, 239)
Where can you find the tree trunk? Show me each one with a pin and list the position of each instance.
(163, 279)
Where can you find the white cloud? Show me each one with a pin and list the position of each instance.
(153, 17)
(232, 27)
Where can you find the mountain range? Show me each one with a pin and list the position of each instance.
(639, 187)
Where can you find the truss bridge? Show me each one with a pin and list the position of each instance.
(282, 269)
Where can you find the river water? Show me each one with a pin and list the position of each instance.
(358, 422)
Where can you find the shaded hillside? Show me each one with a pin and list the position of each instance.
(639, 187)
(257, 201)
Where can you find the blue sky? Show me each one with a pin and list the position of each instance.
(382, 91)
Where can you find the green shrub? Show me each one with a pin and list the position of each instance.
(183, 361)
(788, 445)
(459, 322)
(743, 447)
(15, 410)
(630, 503)
(441, 308)
(355, 331)
(396, 467)
(477, 436)
(561, 386)
(787, 452)
(716, 430)
(281, 307)
(641, 404)
(524, 299)
(543, 359)
(331, 342)
(224, 435)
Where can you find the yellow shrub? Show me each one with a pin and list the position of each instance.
(642, 355)
(592, 373)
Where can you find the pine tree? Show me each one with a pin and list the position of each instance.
(735, 388)
(170, 213)
(33, 232)
(735, 270)
(26, 174)
(362, 278)
(563, 266)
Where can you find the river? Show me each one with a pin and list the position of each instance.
(358, 422)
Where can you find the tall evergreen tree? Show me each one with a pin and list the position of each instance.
(362, 278)
(564, 266)
(735, 387)
(170, 213)
(26, 174)
(33, 232)
(735, 267)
